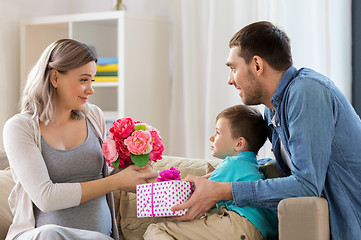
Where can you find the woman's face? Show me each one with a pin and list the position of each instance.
(74, 87)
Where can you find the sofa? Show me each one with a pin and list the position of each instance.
(299, 218)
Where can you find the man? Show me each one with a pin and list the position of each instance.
(314, 130)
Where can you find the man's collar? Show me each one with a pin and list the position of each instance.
(286, 78)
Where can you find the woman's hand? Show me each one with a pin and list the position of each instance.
(132, 176)
(127, 180)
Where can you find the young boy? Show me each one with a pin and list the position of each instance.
(240, 132)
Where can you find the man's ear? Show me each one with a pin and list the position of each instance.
(241, 145)
(54, 75)
(258, 64)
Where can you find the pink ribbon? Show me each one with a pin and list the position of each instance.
(169, 175)
(152, 200)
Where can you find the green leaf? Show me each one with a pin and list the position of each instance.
(140, 160)
(116, 163)
(140, 127)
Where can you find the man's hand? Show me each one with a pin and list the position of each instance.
(206, 194)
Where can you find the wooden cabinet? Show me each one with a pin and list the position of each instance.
(141, 44)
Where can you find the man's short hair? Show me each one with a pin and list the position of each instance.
(265, 40)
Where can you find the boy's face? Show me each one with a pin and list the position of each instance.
(222, 142)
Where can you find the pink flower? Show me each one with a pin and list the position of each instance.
(169, 175)
(158, 147)
(123, 151)
(139, 142)
(122, 128)
(110, 151)
(129, 142)
(110, 136)
(121, 163)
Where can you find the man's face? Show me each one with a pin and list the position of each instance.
(243, 79)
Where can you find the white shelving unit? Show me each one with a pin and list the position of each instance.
(141, 44)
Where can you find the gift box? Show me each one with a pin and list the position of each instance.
(156, 199)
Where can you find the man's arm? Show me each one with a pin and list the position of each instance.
(307, 129)
(206, 194)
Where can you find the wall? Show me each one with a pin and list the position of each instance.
(303, 30)
(11, 12)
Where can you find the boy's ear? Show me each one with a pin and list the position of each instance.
(54, 74)
(241, 145)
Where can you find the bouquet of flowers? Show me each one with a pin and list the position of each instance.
(129, 141)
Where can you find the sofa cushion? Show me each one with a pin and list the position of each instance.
(7, 184)
(187, 166)
(270, 170)
(132, 227)
(298, 214)
(212, 165)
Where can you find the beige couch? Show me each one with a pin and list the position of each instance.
(299, 218)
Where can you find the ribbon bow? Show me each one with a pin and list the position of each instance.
(169, 175)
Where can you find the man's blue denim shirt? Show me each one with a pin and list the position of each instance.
(321, 133)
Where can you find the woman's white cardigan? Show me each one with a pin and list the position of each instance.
(22, 143)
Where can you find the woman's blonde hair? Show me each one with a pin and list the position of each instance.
(62, 55)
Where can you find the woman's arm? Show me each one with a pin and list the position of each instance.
(30, 171)
(21, 144)
(126, 180)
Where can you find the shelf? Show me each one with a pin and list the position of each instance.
(105, 84)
